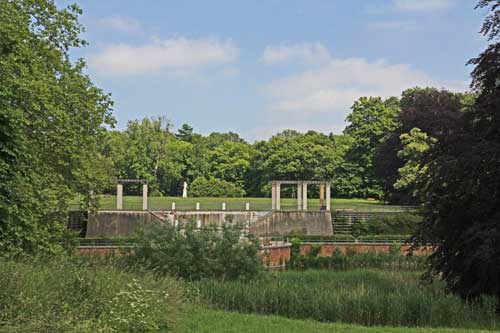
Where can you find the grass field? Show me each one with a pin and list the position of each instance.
(261, 204)
(362, 297)
(203, 320)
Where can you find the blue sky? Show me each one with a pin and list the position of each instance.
(258, 67)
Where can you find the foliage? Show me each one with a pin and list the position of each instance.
(367, 297)
(213, 187)
(370, 120)
(415, 144)
(437, 114)
(393, 260)
(197, 254)
(85, 295)
(460, 195)
(322, 238)
(52, 119)
(294, 156)
(395, 223)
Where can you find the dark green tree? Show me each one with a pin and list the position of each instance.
(437, 113)
(462, 192)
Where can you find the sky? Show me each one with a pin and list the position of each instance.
(258, 67)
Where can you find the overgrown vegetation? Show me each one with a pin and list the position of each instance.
(197, 254)
(387, 224)
(393, 260)
(85, 295)
(367, 297)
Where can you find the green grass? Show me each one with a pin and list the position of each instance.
(260, 204)
(203, 320)
(364, 297)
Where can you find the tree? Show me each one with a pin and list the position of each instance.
(437, 113)
(51, 118)
(415, 144)
(185, 133)
(370, 120)
(462, 192)
(294, 156)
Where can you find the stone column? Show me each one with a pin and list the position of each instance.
(328, 196)
(197, 206)
(119, 196)
(299, 196)
(223, 206)
(145, 197)
(321, 195)
(304, 196)
(173, 205)
(247, 206)
(278, 196)
(273, 196)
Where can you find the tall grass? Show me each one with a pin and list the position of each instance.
(366, 297)
(73, 294)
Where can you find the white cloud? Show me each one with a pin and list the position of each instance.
(333, 86)
(308, 53)
(423, 5)
(121, 23)
(179, 56)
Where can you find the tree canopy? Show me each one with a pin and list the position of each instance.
(52, 119)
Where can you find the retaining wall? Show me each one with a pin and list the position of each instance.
(282, 223)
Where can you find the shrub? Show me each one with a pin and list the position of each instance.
(400, 223)
(324, 238)
(214, 187)
(196, 254)
(84, 295)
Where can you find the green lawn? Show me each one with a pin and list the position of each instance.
(201, 320)
(165, 203)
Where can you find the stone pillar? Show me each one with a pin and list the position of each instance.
(278, 196)
(328, 196)
(223, 206)
(119, 196)
(299, 196)
(304, 196)
(173, 205)
(273, 196)
(247, 206)
(197, 206)
(145, 197)
(321, 196)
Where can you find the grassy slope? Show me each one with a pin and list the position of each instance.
(201, 320)
(165, 203)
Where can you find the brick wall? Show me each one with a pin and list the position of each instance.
(328, 249)
(278, 254)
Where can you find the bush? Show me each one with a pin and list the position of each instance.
(386, 224)
(196, 254)
(389, 238)
(341, 238)
(84, 295)
(214, 187)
